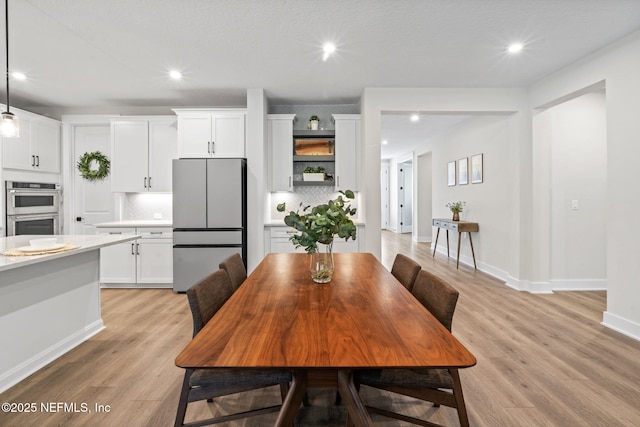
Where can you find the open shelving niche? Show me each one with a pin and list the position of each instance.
(301, 162)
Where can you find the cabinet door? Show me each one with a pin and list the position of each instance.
(281, 142)
(45, 143)
(155, 261)
(228, 132)
(194, 135)
(163, 148)
(129, 156)
(118, 263)
(347, 141)
(16, 152)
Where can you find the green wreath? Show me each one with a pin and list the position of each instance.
(85, 162)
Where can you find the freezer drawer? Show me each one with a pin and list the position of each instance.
(192, 264)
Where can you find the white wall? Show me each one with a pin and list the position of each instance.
(619, 67)
(422, 197)
(578, 172)
(257, 182)
(487, 203)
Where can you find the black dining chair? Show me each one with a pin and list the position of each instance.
(205, 299)
(234, 266)
(405, 270)
(440, 386)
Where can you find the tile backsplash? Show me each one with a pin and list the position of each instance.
(307, 196)
(144, 206)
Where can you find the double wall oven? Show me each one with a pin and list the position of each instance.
(33, 208)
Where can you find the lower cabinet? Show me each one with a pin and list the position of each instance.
(279, 241)
(146, 262)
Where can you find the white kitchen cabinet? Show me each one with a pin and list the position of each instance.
(142, 151)
(211, 133)
(118, 262)
(347, 151)
(279, 241)
(145, 262)
(38, 147)
(281, 142)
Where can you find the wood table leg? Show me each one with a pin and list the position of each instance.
(356, 411)
(458, 259)
(435, 245)
(472, 252)
(292, 402)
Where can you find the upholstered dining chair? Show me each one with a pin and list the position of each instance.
(234, 266)
(440, 386)
(405, 270)
(205, 299)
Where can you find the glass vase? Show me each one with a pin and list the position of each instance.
(321, 266)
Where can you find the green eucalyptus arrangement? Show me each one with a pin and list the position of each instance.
(311, 169)
(314, 118)
(322, 222)
(456, 207)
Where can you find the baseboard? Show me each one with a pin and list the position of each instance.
(619, 324)
(424, 239)
(40, 360)
(579, 285)
(136, 285)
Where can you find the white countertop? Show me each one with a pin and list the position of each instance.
(136, 223)
(85, 243)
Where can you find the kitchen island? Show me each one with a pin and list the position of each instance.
(49, 303)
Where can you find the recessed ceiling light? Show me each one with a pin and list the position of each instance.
(415, 118)
(385, 142)
(328, 49)
(18, 75)
(175, 75)
(515, 47)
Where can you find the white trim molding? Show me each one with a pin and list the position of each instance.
(579, 285)
(619, 324)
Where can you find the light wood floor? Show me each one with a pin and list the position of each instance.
(543, 360)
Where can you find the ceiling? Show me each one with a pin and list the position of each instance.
(110, 57)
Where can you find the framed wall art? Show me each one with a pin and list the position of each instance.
(463, 173)
(451, 174)
(476, 169)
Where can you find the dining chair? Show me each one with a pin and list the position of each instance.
(440, 386)
(405, 270)
(234, 266)
(205, 299)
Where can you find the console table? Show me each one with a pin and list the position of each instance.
(460, 227)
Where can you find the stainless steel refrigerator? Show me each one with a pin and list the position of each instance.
(209, 216)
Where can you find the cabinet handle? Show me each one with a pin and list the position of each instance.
(145, 182)
(289, 181)
(209, 147)
(155, 232)
(115, 232)
(338, 181)
(137, 248)
(213, 147)
(37, 161)
(33, 160)
(149, 182)
(132, 253)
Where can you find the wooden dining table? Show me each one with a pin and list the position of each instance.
(363, 319)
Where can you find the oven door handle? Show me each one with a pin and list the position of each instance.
(35, 216)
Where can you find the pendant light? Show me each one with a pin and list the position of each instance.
(9, 123)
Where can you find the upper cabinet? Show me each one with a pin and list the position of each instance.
(347, 151)
(211, 133)
(38, 147)
(281, 140)
(142, 151)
